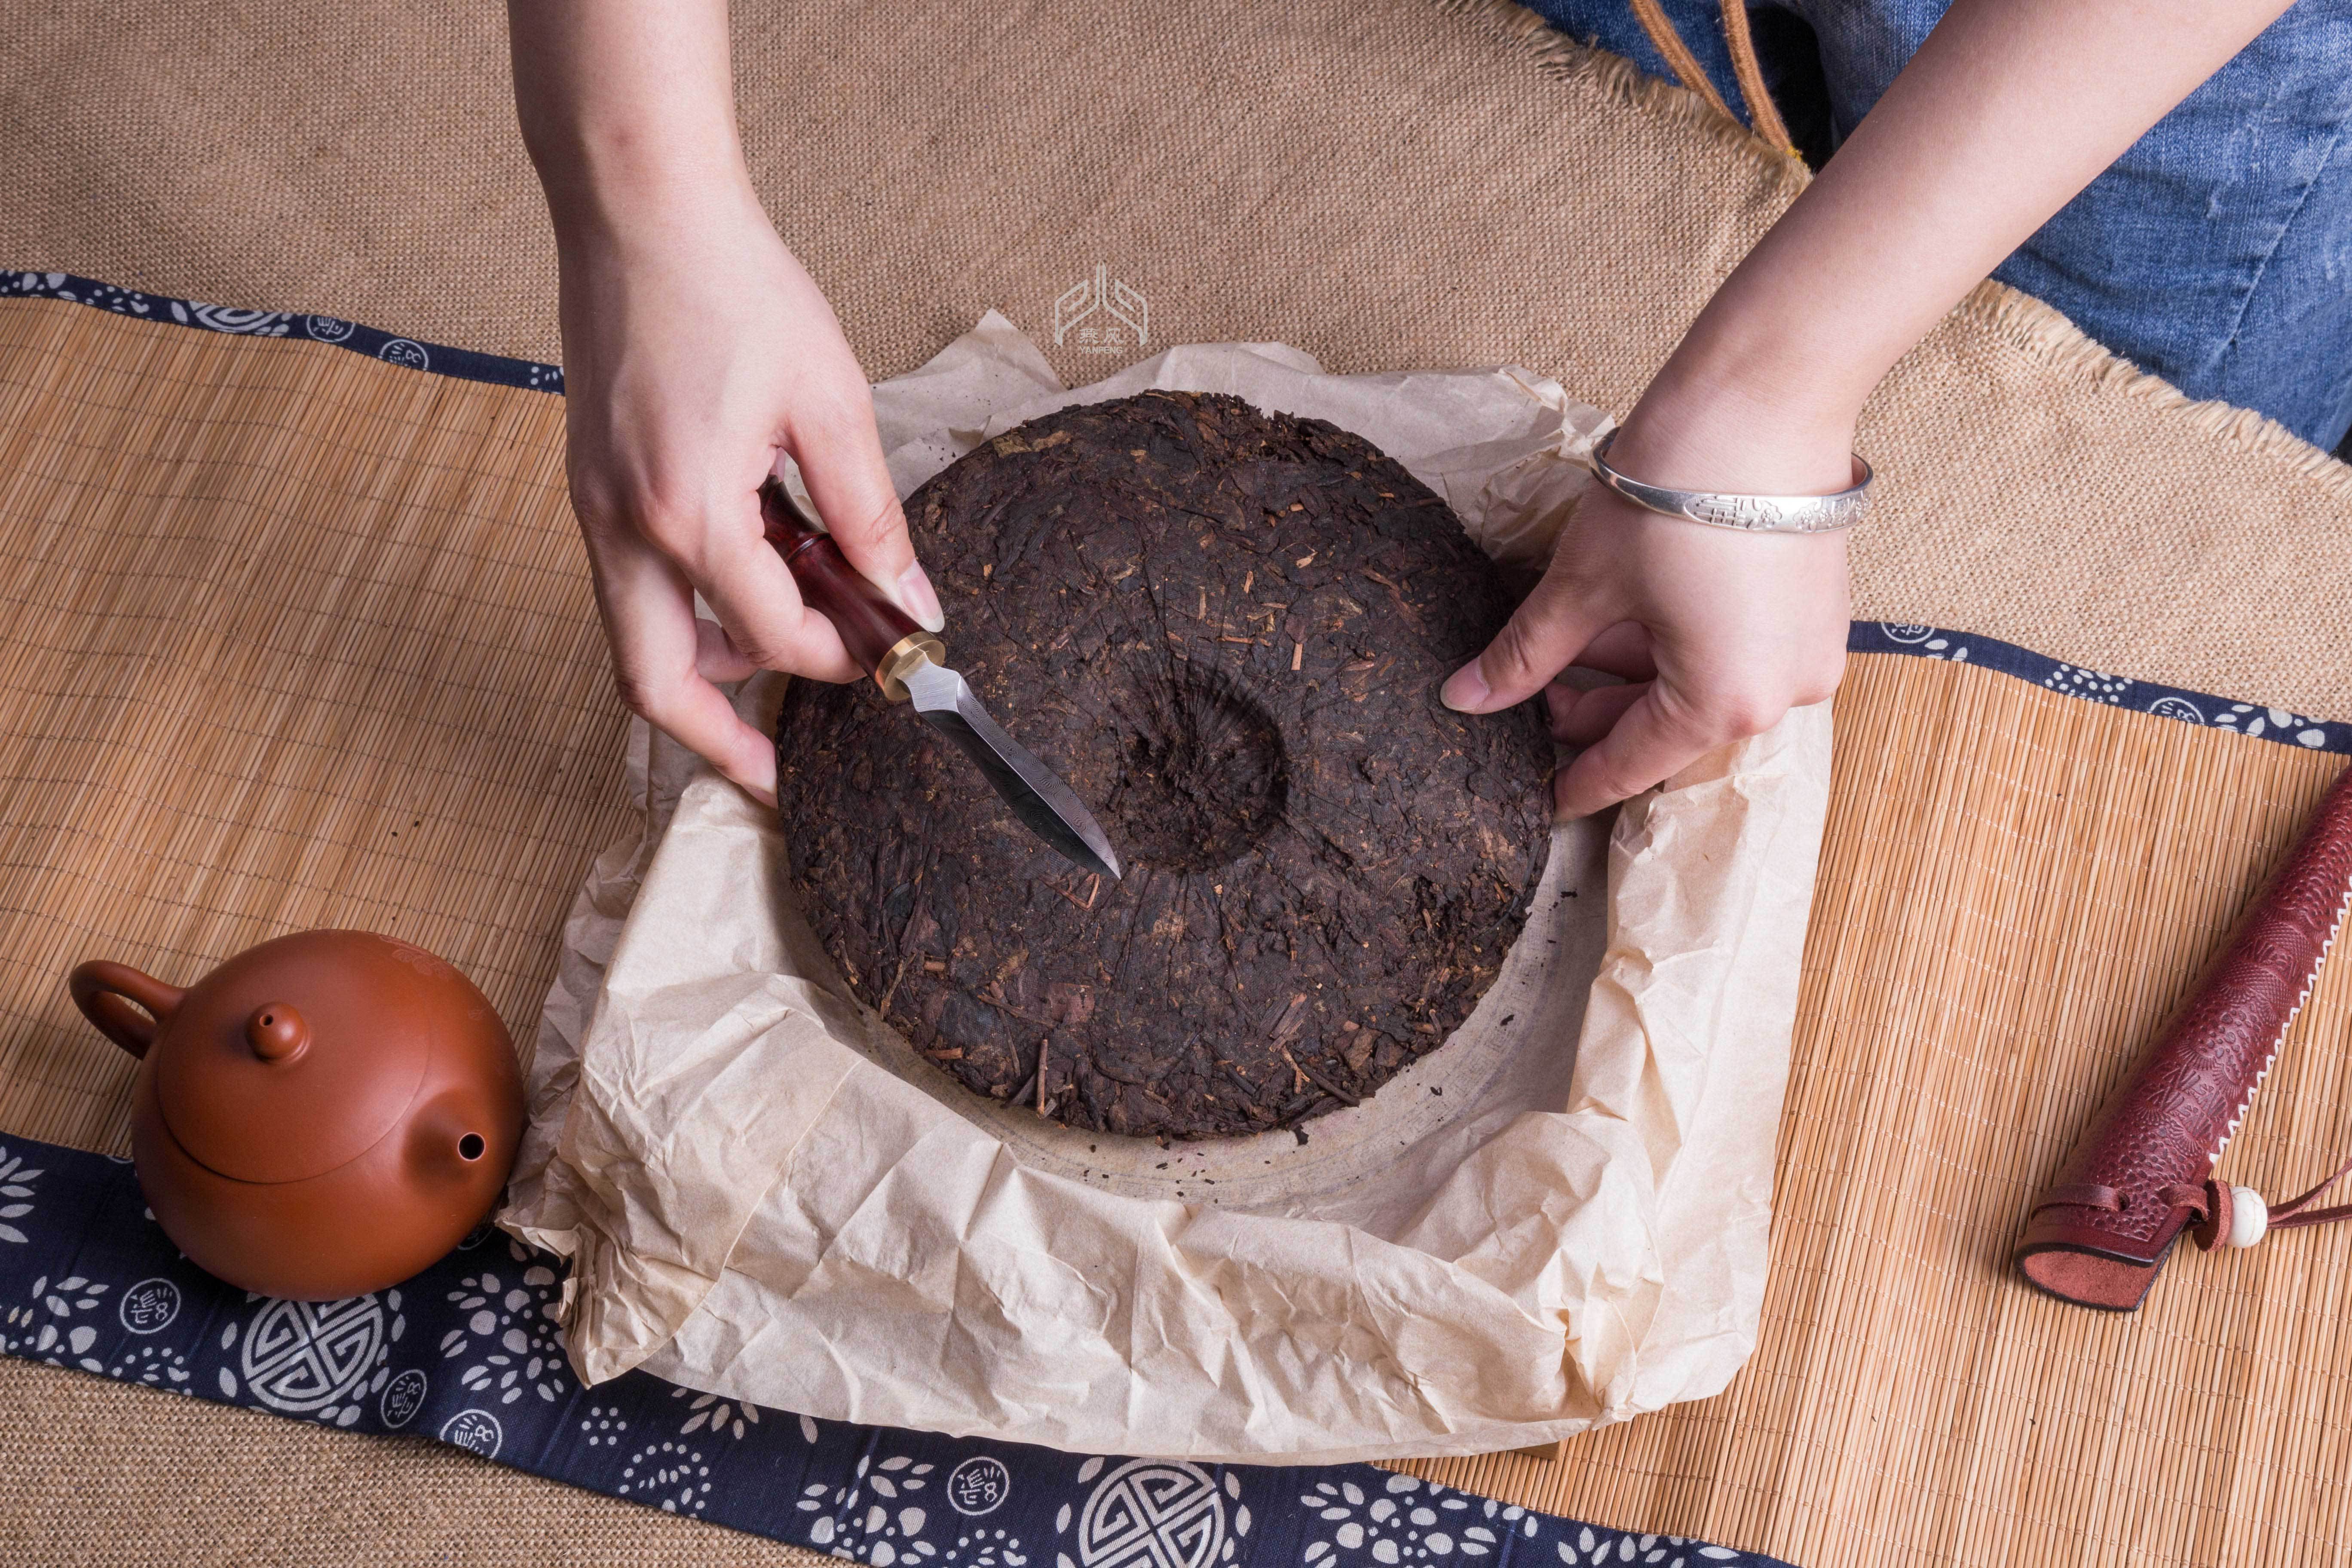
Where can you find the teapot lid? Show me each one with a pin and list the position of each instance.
(297, 1056)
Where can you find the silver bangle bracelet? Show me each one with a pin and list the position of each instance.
(1754, 514)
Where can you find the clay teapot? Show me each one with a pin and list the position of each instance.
(321, 1116)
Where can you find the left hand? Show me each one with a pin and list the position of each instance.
(1717, 632)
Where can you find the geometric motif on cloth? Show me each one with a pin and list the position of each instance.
(300, 1355)
(1153, 1513)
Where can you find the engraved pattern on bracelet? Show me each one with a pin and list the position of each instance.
(1755, 514)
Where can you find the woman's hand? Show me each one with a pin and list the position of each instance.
(1716, 633)
(696, 349)
(2006, 110)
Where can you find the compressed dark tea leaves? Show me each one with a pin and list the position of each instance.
(1226, 630)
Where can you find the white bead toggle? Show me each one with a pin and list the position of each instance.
(2248, 1217)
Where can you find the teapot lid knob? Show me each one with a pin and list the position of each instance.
(276, 1032)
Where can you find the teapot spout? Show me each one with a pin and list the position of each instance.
(447, 1143)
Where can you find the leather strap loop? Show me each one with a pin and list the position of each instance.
(2198, 1201)
(1762, 113)
(2081, 1195)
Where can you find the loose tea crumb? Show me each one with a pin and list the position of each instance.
(1324, 864)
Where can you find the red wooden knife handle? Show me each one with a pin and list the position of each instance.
(869, 624)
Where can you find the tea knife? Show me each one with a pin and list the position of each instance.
(910, 665)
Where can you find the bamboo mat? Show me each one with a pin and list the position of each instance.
(291, 639)
(295, 638)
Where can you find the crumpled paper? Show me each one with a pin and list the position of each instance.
(1557, 1221)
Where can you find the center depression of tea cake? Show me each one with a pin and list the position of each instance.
(1226, 630)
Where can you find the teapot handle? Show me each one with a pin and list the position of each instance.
(111, 996)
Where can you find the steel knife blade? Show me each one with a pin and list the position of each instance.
(1040, 799)
(910, 665)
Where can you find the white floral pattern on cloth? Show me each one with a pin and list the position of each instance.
(980, 1547)
(59, 1324)
(1408, 1520)
(872, 1518)
(722, 1417)
(667, 1475)
(160, 1366)
(16, 1194)
(508, 1339)
(1419, 1522)
(2249, 719)
(1929, 642)
(605, 1425)
(230, 318)
(2094, 685)
(1603, 1549)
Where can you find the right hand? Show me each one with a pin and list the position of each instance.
(695, 349)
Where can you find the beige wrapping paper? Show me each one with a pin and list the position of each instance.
(1557, 1220)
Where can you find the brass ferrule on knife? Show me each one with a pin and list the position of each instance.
(905, 654)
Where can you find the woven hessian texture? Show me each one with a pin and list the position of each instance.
(105, 1475)
(1376, 181)
(269, 603)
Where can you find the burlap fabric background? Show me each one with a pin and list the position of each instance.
(1379, 184)
(1384, 185)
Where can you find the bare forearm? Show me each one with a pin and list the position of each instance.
(697, 352)
(624, 104)
(2008, 110)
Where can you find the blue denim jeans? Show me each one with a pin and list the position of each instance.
(2216, 252)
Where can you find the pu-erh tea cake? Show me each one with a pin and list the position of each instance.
(1226, 630)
